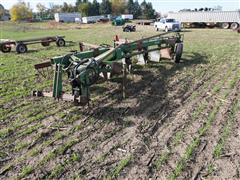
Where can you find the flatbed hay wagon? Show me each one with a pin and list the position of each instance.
(21, 45)
(84, 68)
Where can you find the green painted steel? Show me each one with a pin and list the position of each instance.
(84, 68)
(57, 85)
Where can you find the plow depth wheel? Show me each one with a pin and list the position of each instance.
(5, 48)
(21, 48)
(178, 52)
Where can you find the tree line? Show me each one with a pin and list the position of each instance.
(144, 10)
(115, 7)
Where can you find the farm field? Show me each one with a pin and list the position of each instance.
(179, 121)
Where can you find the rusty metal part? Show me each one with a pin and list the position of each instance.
(42, 65)
(166, 53)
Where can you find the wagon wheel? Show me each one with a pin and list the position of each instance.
(5, 48)
(178, 52)
(21, 48)
(60, 42)
(45, 43)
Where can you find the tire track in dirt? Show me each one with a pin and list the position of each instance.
(150, 113)
(47, 152)
(227, 166)
(147, 158)
(204, 156)
(19, 131)
(20, 156)
(90, 162)
(48, 149)
(9, 111)
(112, 136)
(197, 127)
(20, 122)
(224, 162)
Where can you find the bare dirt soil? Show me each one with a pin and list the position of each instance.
(179, 121)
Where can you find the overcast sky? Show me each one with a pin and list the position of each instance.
(159, 5)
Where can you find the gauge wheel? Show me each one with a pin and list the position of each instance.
(178, 52)
(21, 48)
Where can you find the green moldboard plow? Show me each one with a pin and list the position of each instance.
(84, 68)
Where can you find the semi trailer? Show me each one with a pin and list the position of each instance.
(224, 19)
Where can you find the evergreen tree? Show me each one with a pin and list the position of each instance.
(147, 10)
(105, 7)
(130, 7)
(95, 7)
(78, 2)
(137, 10)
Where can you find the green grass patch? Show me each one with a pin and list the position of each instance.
(116, 171)
(218, 150)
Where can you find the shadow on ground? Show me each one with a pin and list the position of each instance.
(150, 92)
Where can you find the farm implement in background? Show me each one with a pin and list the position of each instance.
(21, 45)
(85, 67)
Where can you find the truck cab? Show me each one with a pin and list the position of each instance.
(167, 24)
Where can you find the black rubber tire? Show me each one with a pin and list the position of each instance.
(225, 25)
(5, 49)
(21, 48)
(234, 26)
(60, 42)
(45, 43)
(178, 52)
(127, 30)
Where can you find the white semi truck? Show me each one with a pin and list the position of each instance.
(225, 19)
